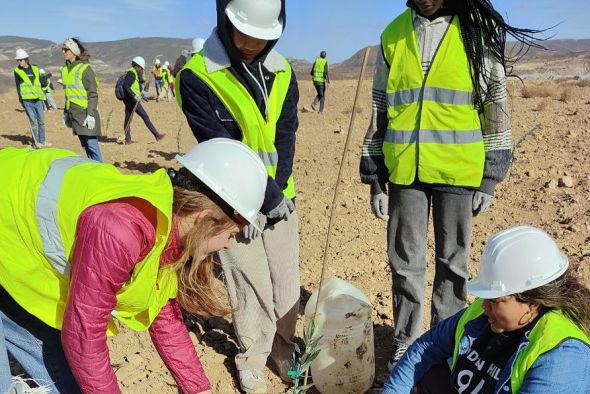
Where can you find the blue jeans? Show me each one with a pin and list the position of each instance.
(34, 110)
(36, 346)
(90, 145)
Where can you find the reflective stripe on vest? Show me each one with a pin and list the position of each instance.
(319, 66)
(46, 209)
(258, 133)
(434, 131)
(30, 90)
(74, 89)
(549, 332)
(46, 193)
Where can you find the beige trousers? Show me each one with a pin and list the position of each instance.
(262, 278)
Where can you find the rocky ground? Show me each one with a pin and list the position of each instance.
(548, 186)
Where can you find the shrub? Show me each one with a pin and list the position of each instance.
(531, 91)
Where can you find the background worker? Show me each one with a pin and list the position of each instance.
(135, 248)
(439, 140)
(320, 76)
(168, 80)
(81, 95)
(31, 96)
(47, 87)
(132, 100)
(157, 73)
(528, 332)
(197, 45)
(239, 87)
(180, 62)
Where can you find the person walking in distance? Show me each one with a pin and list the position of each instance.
(81, 93)
(31, 96)
(320, 76)
(439, 141)
(47, 87)
(132, 100)
(158, 78)
(239, 87)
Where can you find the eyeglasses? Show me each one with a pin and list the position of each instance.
(64, 50)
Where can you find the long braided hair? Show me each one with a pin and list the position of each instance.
(484, 29)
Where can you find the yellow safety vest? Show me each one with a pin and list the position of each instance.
(30, 90)
(319, 66)
(434, 130)
(74, 89)
(258, 133)
(135, 85)
(550, 330)
(45, 191)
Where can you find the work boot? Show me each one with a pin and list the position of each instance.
(252, 381)
(160, 137)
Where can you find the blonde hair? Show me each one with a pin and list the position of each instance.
(199, 290)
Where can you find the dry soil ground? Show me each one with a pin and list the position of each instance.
(548, 186)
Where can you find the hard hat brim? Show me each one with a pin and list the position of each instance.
(256, 32)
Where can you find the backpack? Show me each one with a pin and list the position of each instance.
(119, 87)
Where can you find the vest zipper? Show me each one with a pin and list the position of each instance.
(422, 94)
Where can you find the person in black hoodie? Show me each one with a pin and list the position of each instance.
(238, 87)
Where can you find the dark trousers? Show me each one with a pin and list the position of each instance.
(321, 95)
(436, 381)
(141, 112)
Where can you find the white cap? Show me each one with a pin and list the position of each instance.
(256, 18)
(21, 54)
(232, 171)
(516, 260)
(139, 61)
(157, 62)
(197, 45)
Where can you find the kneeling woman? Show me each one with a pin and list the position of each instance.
(529, 331)
(84, 246)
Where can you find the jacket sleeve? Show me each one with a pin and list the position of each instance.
(285, 134)
(110, 239)
(563, 370)
(172, 341)
(89, 82)
(372, 167)
(17, 81)
(434, 347)
(496, 128)
(206, 122)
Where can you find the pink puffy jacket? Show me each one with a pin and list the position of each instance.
(111, 238)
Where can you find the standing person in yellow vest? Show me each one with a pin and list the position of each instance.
(158, 78)
(166, 76)
(439, 141)
(84, 246)
(47, 87)
(320, 76)
(239, 87)
(31, 96)
(81, 95)
(528, 332)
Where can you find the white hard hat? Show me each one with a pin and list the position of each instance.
(256, 18)
(232, 171)
(516, 260)
(41, 71)
(21, 54)
(197, 45)
(157, 62)
(166, 63)
(139, 61)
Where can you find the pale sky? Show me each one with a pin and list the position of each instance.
(340, 27)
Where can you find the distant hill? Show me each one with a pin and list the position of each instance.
(565, 58)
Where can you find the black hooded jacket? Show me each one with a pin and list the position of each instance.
(208, 118)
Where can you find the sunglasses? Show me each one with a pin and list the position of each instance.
(64, 50)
